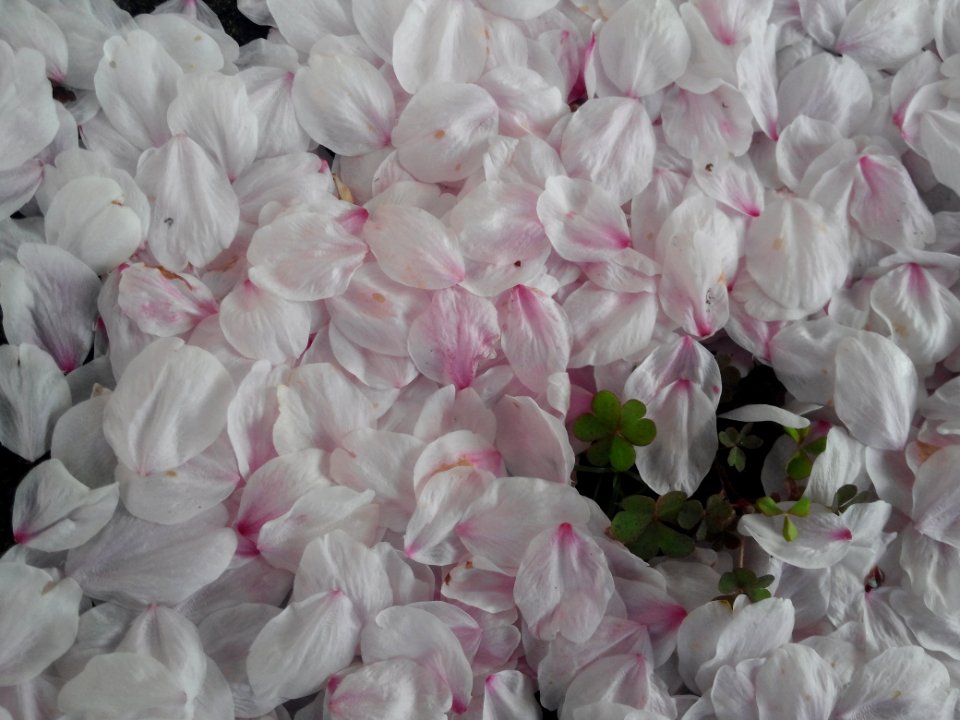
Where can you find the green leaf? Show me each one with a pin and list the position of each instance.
(668, 505)
(745, 577)
(768, 507)
(844, 494)
(817, 446)
(763, 581)
(627, 526)
(728, 583)
(729, 437)
(622, 455)
(639, 503)
(599, 453)
(691, 512)
(799, 467)
(751, 442)
(737, 459)
(673, 543)
(638, 431)
(647, 545)
(801, 508)
(790, 532)
(632, 410)
(792, 432)
(718, 514)
(588, 427)
(758, 594)
(606, 406)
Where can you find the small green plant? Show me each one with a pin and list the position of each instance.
(613, 430)
(801, 508)
(738, 441)
(800, 464)
(846, 496)
(743, 581)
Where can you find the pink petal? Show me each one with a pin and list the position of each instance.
(709, 125)
(608, 326)
(583, 221)
(394, 689)
(824, 87)
(884, 33)
(344, 104)
(528, 103)
(533, 442)
(377, 22)
(563, 584)
(302, 22)
(263, 326)
(535, 335)
(886, 206)
(163, 303)
(442, 133)
(28, 116)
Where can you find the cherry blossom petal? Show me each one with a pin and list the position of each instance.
(939, 130)
(443, 131)
(299, 649)
(394, 689)
(563, 584)
(528, 103)
(263, 326)
(377, 22)
(828, 88)
(583, 221)
(876, 390)
(801, 142)
(136, 81)
(626, 680)
(163, 303)
(610, 142)
(53, 511)
(886, 206)
(884, 33)
(214, 110)
(78, 442)
(608, 326)
(35, 394)
(135, 562)
(449, 341)
(302, 22)
(535, 335)
(822, 539)
(757, 77)
(710, 125)
(533, 442)
(733, 182)
(438, 41)
(195, 211)
(413, 247)
(644, 46)
(344, 104)
(49, 299)
(304, 256)
(28, 116)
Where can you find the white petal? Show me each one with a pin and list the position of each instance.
(28, 116)
(169, 406)
(413, 247)
(535, 335)
(214, 110)
(886, 206)
(124, 683)
(263, 326)
(528, 103)
(78, 442)
(709, 125)
(439, 41)
(136, 82)
(271, 99)
(377, 22)
(195, 211)
(644, 46)
(876, 390)
(395, 689)
(583, 221)
(939, 130)
(443, 131)
(824, 87)
(822, 540)
(757, 77)
(344, 104)
(34, 394)
(608, 326)
(302, 22)
(163, 303)
(885, 33)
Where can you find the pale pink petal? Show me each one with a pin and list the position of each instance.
(49, 299)
(885, 33)
(136, 81)
(304, 256)
(644, 46)
(78, 442)
(563, 584)
(798, 682)
(803, 353)
(508, 695)
(283, 540)
(54, 511)
(900, 682)
(413, 247)
(823, 539)
(28, 26)
(169, 406)
(522, 11)
(250, 416)
(377, 22)
(876, 390)
(18, 185)
(318, 407)
(214, 110)
(533, 442)
(583, 221)
(395, 689)
(934, 503)
(375, 312)
(608, 326)
(710, 125)
(439, 41)
(299, 649)
(535, 335)
(885, 204)
(135, 562)
(195, 211)
(373, 369)
(190, 44)
(34, 395)
(828, 88)
(263, 326)
(801, 142)
(486, 590)
(822, 19)
(344, 104)
(797, 254)
(627, 680)
(446, 410)
(731, 181)
(338, 562)
(178, 494)
(443, 131)
(123, 683)
(303, 22)
(38, 619)
(757, 77)
(28, 116)
(407, 632)
(449, 341)
(528, 103)
(163, 303)
(270, 91)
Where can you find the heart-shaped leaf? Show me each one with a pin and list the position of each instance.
(622, 455)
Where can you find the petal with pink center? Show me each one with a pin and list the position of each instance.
(714, 124)
(608, 326)
(824, 87)
(535, 335)
(264, 326)
(533, 442)
(163, 303)
(885, 33)
(757, 77)
(395, 689)
(583, 221)
(528, 103)
(563, 584)
(822, 539)
(886, 206)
